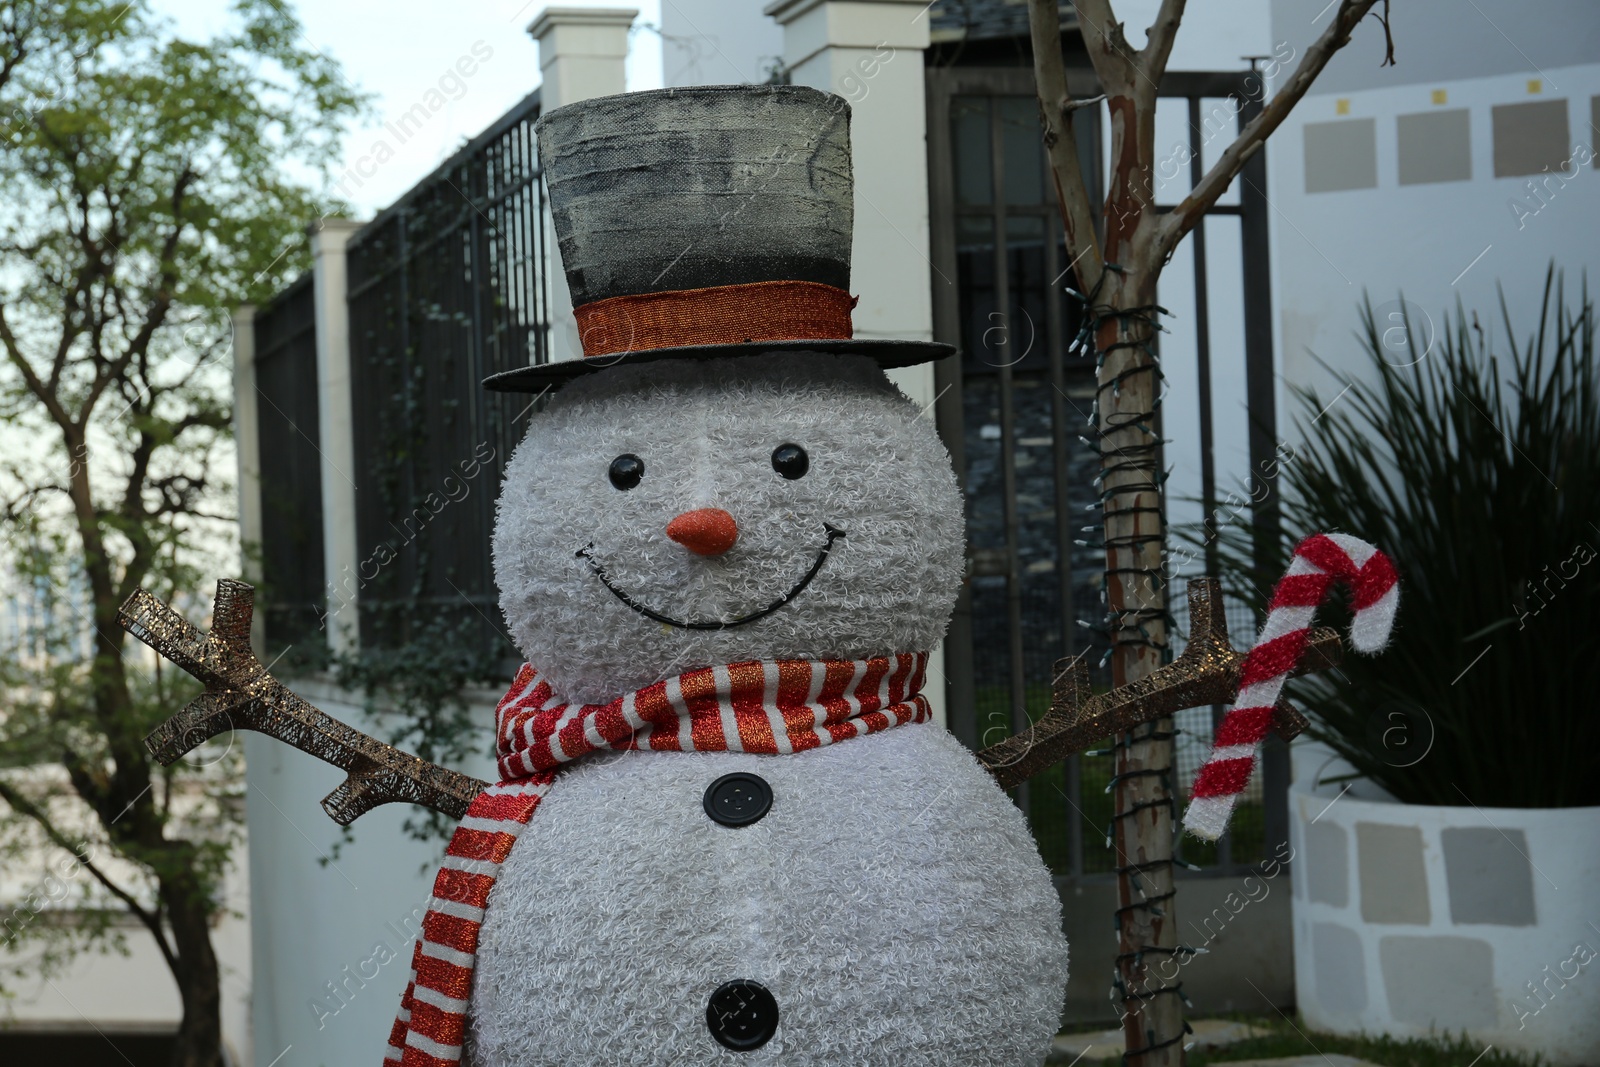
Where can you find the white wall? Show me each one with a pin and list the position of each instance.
(717, 42)
(115, 993)
(1331, 248)
(316, 915)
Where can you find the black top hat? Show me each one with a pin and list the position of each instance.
(704, 222)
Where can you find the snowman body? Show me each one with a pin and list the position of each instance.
(890, 898)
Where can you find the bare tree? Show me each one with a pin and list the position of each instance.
(1119, 249)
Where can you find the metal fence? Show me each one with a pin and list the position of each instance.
(1012, 410)
(446, 287)
(294, 592)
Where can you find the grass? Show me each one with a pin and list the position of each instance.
(1285, 1038)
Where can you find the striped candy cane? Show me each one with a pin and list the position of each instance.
(1319, 561)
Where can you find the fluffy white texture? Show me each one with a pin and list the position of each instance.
(1207, 817)
(892, 900)
(1372, 625)
(706, 431)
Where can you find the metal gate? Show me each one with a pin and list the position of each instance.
(1013, 405)
(446, 287)
(294, 591)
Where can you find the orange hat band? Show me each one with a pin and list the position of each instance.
(719, 315)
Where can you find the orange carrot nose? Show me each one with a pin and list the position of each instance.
(705, 532)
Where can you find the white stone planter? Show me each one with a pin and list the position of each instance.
(1410, 918)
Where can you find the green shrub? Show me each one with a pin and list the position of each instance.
(1474, 463)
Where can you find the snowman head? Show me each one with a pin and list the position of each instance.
(685, 513)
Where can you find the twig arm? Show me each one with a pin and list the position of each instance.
(1206, 673)
(241, 695)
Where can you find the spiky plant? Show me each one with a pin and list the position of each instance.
(1475, 463)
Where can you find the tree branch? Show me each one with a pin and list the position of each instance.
(1115, 62)
(1182, 218)
(92, 781)
(27, 499)
(36, 386)
(1159, 38)
(1056, 108)
(93, 265)
(138, 347)
(14, 55)
(132, 514)
(1129, 228)
(151, 920)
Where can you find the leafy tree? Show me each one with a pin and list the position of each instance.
(151, 184)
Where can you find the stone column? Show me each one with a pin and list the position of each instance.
(582, 54)
(335, 427)
(870, 53)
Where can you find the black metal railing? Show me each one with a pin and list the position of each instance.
(1013, 410)
(294, 588)
(446, 287)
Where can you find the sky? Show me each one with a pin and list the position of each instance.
(399, 49)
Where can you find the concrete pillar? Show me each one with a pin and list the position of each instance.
(335, 427)
(582, 54)
(247, 444)
(870, 53)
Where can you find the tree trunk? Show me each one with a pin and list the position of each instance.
(1136, 605)
(199, 1039)
(1118, 268)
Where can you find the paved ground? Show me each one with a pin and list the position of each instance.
(1094, 1048)
(1107, 1044)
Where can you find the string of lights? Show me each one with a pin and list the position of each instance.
(1131, 483)
(1129, 448)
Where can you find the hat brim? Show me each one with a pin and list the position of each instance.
(888, 354)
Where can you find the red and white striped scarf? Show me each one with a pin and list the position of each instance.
(769, 708)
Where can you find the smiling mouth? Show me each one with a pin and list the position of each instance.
(587, 553)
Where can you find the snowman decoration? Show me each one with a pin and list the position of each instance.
(725, 547)
(727, 830)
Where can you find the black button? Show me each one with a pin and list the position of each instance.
(738, 799)
(742, 1015)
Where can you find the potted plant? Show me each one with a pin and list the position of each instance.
(1444, 811)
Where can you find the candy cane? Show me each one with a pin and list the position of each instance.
(1319, 561)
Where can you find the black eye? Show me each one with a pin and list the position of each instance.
(626, 470)
(791, 461)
